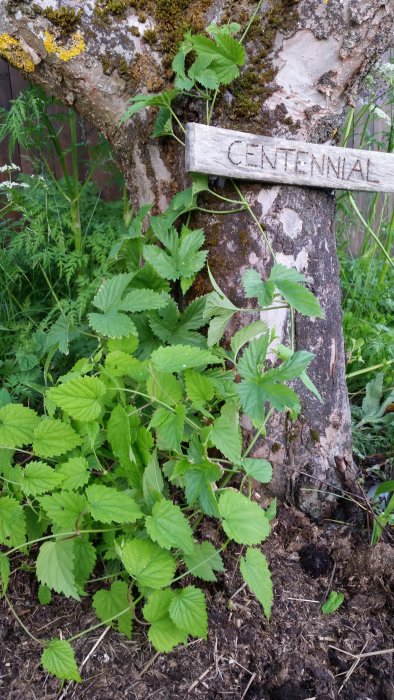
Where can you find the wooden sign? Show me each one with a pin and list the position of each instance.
(240, 155)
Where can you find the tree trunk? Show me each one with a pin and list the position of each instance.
(305, 60)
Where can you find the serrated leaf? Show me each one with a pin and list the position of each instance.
(143, 300)
(81, 398)
(226, 434)
(108, 505)
(169, 427)
(39, 478)
(204, 561)
(259, 469)
(199, 389)
(254, 393)
(5, 570)
(289, 282)
(163, 633)
(17, 424)
(163, 123)
(188, 611)
(44, 594)
(121, 364)
(169, 528)
(74, 473)
(53, 438)
(152, 481)
(291, 368)
(164, 387)
(58, 659)
(242, 520)
(251, 364)
(64, 509)
(217, 327)
(12, 522)
(255, 572)
(109, 603)
(150, 565)
(177, 358)
(111, 291)
(246, 334)
(333, 602)
(55, 567)
(112, 324)
(84, 560)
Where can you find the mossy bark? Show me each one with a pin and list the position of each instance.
(305, 60)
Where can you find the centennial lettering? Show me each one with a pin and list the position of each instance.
(239, 155)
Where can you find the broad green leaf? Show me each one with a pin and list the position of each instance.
(180, 357)
(81, 398)
(169, 528)
(188, 611)
(44, 594)
(254, 393)
(246, 334)
(121, 364)
(65, 509)
(84, 560)
(53, 438)
(39, 478)
(251, 364)
(108, 505)
(111, 292)
(333, 602)
(164, 387)
(242, 520)
(150, 565)
(217, 326)
(74, 473)
(122, 434)
(5, 570)
(55, 567)
(197, 478)
(204, 561)
(163, 633)
(199, 389)
(112, 324)
(109, 603)
(259, 469)
(152, 481)
(255, 572)
(289, 282)
(143, 300)
(255, 287)
(12, 522)
(169, 427)
(17, 424)
(291, 368)
(176, 328)
(226, 434)
(161, 99)
(58, 659)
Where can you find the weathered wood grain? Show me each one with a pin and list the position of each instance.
(250, 157)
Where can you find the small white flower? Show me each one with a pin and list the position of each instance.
(9, 185)
(9, 167)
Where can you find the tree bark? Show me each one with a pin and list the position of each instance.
(305, 60)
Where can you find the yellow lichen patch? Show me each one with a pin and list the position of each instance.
(12, 51)
(63, 53)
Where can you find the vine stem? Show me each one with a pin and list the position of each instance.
(105, 622)
(17, 618)
(258, 433)
(255, 219)
(65, 535)
(249, 24)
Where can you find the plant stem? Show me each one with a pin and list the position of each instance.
(65, 535)
(373, 234)
(255, 219)
(249, 24)
(258, 433)
(25, 629)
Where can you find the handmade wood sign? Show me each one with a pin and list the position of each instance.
(247, 156)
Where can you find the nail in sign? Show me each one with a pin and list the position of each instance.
(246, 156)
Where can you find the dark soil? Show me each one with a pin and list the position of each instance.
(293, 657)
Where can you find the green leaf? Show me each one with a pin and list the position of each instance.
(254, 393)
(204, 561)
(108, 505)
(255, 287)
(251, 364)
(242, 520)
(44, 594)
(111, 291)
(289, 282)
(255, 572)
(150, 565)
(217, 326)
(109, 603)
(64, 509)
(58, 659)
(226, 434)
(152, 481)
(12, 522)
(169, 427)
(17, 425)
(169, 528)
(180, 357)
(122, 435)
(177, 328)
(143, 300)
(333, 602)
(199, 389)
(55, 567)
(291, 368)
(259, 469)
(5, 570)
(246, 334)
(163, 633)
(164, 387)
(39, 478)
(226, 54)
(53, 438)
(163, 123)
(81, 398)
(112, 324)
(188, 611)
(161, 99)
(121, 364)
(84, 560)
(74, 473)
